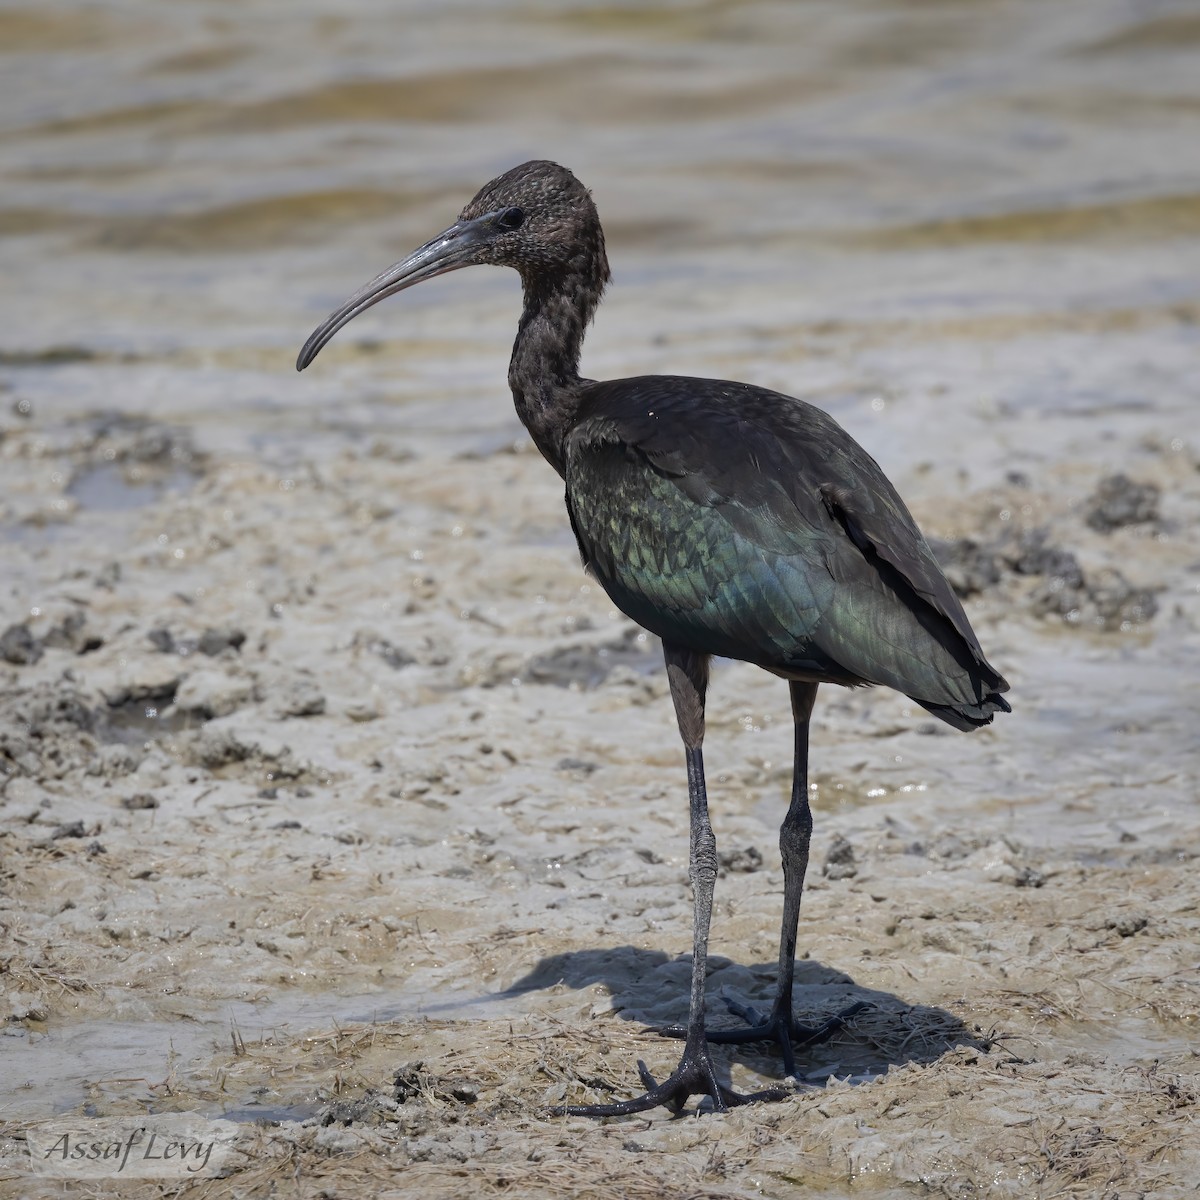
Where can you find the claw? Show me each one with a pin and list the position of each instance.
(648, 1080)
(693, 1077)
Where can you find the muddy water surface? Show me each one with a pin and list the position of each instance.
(320, 759)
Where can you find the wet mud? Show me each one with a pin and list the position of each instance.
(382, 853)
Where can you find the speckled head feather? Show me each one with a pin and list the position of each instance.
(555, 227)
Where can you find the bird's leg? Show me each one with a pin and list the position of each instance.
(795, 835)
(695, 1074)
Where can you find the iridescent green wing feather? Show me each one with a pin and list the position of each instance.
(750, 524)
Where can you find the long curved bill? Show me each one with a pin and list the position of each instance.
(453, 248)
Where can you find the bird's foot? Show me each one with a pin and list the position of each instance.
(778, 1027)
(694, 1076)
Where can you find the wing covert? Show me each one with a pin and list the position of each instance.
(755, 519)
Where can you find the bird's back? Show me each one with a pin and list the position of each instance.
(742, 522)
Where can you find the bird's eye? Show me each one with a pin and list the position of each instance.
(510, 218)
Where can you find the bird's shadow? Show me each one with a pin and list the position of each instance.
(650, 987)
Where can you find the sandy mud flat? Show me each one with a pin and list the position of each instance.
(340, 805)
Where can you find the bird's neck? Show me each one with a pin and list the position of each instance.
(544, 371)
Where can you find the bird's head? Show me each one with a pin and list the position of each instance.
(537, 218)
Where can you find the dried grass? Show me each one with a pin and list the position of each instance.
(469, 1118)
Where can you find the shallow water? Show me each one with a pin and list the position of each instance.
(81, 1066)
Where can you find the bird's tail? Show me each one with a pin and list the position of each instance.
(968, 716)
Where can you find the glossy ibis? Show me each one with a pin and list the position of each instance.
(725, 518)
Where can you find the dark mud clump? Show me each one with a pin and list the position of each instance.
(1106, 598)
(587, 666)
(211, 642)
(129, 438)
(742, 861)
(1101, 597)
(45, 733)
(1119, 501)
(840, 862)
(19, 647)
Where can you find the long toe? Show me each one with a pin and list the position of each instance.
(694, 1076)
(747, 1012)
(814, 1035)
(782, 1029)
